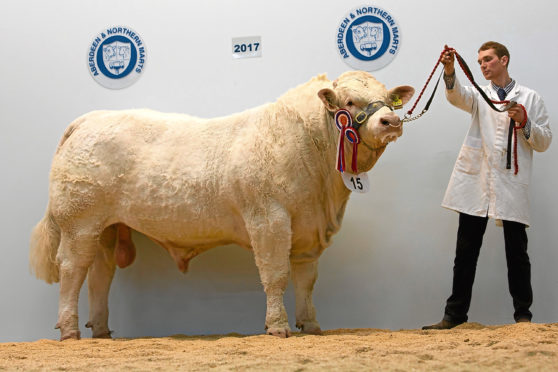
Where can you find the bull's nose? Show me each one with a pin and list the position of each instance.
(394, 121)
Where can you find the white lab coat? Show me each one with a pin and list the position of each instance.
(480, 184)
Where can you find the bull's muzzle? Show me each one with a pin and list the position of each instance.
(391, 120)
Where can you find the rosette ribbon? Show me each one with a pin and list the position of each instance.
(344, 123)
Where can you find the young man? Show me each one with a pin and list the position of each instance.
(484, 182)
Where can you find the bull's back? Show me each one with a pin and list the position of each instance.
(146, 169)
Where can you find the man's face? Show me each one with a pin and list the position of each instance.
(491, 66)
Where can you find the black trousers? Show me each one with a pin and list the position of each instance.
(469, 240)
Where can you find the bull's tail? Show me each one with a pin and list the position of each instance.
(45, 240)
(45, 237)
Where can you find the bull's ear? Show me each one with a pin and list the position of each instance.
(400, 95)
(329, 99)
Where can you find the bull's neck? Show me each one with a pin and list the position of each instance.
(367, 156)
(338, 193)
(366, 159)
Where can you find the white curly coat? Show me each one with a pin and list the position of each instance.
(264, 179)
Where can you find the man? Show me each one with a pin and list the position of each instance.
(484, 184)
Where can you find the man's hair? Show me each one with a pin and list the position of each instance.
(499, 49)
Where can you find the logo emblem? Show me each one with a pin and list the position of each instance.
(116, 57)
(368, 38)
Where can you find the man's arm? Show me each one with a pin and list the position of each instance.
(539, 135)
(456, 94)
(449, 80)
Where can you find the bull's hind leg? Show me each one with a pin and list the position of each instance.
(270, 234)
(304, 276)
(75, 255)
(99, 279)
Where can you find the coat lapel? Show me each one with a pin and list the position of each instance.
(514, 93)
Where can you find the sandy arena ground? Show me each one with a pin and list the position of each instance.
(471, 346)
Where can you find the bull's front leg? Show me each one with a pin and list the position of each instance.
(304, 275)
(270, 234)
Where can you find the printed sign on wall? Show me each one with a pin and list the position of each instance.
(116, 57)
(247, 47)
(368, 38)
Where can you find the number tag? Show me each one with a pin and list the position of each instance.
(356, 182)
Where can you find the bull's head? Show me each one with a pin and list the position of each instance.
(370, 104)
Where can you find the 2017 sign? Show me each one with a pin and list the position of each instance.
(247, 47)
(242, 48)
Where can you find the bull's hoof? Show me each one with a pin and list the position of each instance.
(107, 334)
(98, 333)
(70, 335)
(310, 328)
(280, 332)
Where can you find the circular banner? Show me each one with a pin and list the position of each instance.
(116, 57)
(368, 38)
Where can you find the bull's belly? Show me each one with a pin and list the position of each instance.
(184, 224)
(189, 234)
(183, 230)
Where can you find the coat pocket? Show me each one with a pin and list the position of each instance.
(525, 158)
(469, 160)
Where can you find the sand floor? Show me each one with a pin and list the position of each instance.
(470, 346)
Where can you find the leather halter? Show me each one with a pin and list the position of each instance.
(371, 109)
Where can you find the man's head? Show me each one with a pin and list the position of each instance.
(494, 59)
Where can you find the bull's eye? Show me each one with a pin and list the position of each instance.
(350, 103)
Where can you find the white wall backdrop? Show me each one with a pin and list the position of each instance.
(391, 264)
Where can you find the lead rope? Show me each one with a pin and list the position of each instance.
(490, 102)
(515, 129)
(407, 116)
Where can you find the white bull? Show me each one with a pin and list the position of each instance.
(264, 179)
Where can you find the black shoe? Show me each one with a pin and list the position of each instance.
(444, 324)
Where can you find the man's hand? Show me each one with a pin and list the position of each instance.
(448, 59)
(517, 114)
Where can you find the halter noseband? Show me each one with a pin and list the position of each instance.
(370, 110)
